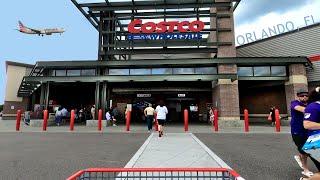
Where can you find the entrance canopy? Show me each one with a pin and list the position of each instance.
(47, 71)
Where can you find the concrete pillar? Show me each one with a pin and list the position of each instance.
(97, 99)
(42, 94)
(104, 98)
(297, 80)
(47, 91)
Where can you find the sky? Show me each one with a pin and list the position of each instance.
(80, 40)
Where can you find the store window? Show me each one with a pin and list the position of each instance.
(206, 70)
(262, 71)
(278, 71)
(159, 71)
(88, 72)
(140, 71)
(73, 72)
(183, 70)
(245, 71)
(61, 72)
(118, 71)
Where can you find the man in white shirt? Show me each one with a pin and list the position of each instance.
(162, 112)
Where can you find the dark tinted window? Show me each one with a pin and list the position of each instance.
(140, 71)
(206, 70)
(73, 72)
(278, 71)
(183, 70)
(245, 71)
(161, 71)
(262, 71)
(118, 71)
(88, 72)
(61, 72)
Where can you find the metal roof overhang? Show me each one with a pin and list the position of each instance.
(240, 61)
(31, 83)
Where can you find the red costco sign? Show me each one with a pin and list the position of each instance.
(137, 26)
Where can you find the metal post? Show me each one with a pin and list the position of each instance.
(18, 120)
(277, 120)
(45, 120)
(246, 120)
(72, 120)
(186, 120)
(100, 120)
(215, 120)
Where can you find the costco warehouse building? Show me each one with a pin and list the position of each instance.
(191, 63)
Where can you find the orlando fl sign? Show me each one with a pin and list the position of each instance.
(165, 30)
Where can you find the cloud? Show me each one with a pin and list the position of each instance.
(298, 17)
(250, 10)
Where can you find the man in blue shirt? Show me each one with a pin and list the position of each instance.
(312, 120)
(298, 132)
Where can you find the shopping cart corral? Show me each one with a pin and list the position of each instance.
(156, 173)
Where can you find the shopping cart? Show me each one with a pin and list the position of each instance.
(156, 173)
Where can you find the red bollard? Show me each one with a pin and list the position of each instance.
(277, 120)
(156, 128)
(100, 120)
(18, 120)
(186, 119)
(45, 120)
(246, 120)
(215, 112)
(128, 119)
(72, 120)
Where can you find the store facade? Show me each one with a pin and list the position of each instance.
(180, 53)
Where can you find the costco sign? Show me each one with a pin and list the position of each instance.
(165, 30)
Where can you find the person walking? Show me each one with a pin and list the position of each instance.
(162, 112)
(93, 112)
(311, 122)
(298, 132)
(149, 113)
(272, 115)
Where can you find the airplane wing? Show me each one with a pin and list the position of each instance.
(36, 31)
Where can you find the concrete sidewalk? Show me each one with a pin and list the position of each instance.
(175, 150)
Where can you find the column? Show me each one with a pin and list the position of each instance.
(97, 99)
(297, 80)
(225, 95)
(104, 97)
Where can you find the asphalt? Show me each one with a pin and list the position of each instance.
(53, 156)
(56, 154)
(257, 156)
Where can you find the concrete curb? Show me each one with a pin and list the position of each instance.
(212, 154)
(136, 156)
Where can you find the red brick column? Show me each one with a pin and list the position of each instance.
(297, 80)
(225, 95)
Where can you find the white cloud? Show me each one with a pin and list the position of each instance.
(259, 29)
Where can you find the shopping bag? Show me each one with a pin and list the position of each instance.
(269, 118)
(312, 146)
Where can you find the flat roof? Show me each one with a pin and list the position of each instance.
(12, 63)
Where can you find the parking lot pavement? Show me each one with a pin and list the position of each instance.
(59, 155)
(257, 156)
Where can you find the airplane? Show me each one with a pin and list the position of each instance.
(41, 32)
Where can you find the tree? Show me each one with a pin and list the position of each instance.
(1, 107)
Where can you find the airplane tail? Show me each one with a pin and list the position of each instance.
(21, 25)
